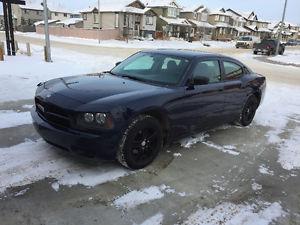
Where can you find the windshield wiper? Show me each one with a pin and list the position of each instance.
(133, 78)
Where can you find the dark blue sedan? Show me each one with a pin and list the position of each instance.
(147, 101)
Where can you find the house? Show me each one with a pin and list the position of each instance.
(27, 15)
(224, 25)
(169, 23)
(60, 14)
(130, 18)
(1, 21)
(198, 18)
(289, 31)
(239, 23)
(257, 27)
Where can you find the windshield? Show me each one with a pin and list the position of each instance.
(245, 39)
(153, 67)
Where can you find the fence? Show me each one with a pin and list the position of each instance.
(82, 33)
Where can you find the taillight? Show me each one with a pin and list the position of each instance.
(268, 47)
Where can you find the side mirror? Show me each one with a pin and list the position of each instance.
(118, 63)
(199, 80)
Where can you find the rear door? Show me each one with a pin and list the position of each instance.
(235, 92)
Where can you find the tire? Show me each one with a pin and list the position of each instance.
(248, 112)
(281, 52)
(255, 52)
(141, 143)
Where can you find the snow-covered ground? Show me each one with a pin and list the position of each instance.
(231, 214)
(289, 57)
(175, 44)
(24, 73)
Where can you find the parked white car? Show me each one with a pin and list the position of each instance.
(247, 41)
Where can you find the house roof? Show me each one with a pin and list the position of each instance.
(201, 24)
(71, 21)
(116, 6)
(220, 12)
(176, 21)
(195, 8)
(161, 3)
(241, 29)
(223, 24)
(30, 6)
(252, 27)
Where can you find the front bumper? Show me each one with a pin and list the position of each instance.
(103, 146)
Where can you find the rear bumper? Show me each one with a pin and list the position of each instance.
(102, 146)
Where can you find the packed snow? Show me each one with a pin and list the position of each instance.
(135, 198)
(30, 162)
(263, 169)
(232, 214)
(289, 57)
(9, 118)
(146, 44)
(154, 220)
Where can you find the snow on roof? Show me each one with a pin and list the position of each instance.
(161, 3)
(252, 27)
(71, 21)
(42, 22)
(193, 8)
(38, 7)
(201, 24)
(241, 29)
(177, 21)
(266, 30)
(219, 12)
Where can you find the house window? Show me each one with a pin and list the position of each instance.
(96, 17)
(25, 11)
(217, 18)
(149, 20)
(117, 20)
(195, 15)
(37, 13)
(65, 15)
(56, 14)
(222, 18)
(84, 16)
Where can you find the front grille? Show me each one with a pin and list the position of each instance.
(53, 114)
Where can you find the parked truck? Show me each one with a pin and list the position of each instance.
(268, 47)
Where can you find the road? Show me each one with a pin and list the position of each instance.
(207, 175)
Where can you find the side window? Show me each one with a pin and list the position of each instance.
(232, 71)
(143, 63)
(208, 69)
(168, 60)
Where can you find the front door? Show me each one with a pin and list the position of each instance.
(204, 103)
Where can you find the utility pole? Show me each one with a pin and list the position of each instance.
(281, 27)
(47, 38)
(99, 24)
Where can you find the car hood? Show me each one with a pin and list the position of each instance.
(89, 88)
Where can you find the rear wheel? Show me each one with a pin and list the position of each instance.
(141, 143)
(248, 111)
(255, 52)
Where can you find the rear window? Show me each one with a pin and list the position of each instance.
(233, 71)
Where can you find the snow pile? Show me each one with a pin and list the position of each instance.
(17, 74)
(9, 118)
(289, 57)
(263, 169)
(231, 214)
(135, 198)
(289, 153)
(29, 162)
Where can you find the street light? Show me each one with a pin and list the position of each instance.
(99, 25)
(47, 38)
(281, 27)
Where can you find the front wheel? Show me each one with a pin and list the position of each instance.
(141, 143)
(248, 111)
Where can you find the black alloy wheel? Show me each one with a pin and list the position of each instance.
(141, 143)
(248, 111)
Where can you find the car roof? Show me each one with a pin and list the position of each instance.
(183, 53)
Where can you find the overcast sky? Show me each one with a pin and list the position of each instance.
(270, 10)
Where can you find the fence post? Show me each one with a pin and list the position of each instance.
(1, 54)
(2, 46)
(28, 51)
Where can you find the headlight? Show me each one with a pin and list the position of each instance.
(95, 120)
(89, 117)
